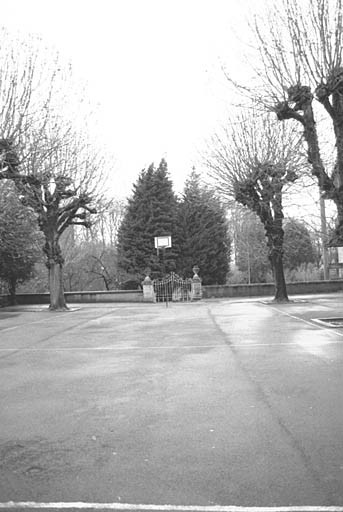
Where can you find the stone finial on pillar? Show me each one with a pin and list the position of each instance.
(148, 290)
(196, 284)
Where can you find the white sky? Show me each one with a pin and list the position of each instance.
(153, 67)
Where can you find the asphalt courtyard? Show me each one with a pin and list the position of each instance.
(214, 406)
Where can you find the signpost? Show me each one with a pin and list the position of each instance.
(163, 242)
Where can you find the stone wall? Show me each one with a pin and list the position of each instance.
(262, 290)
(208, 292)
(80, 297)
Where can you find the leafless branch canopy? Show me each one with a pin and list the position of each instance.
(300, 44)
(239, 153)
(43, 147)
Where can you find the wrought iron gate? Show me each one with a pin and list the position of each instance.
(173, 288)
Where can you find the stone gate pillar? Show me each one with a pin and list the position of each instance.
(196, 292)
(148, 290)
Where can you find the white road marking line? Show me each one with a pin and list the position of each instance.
(32, 323)
(168, 508)
(173, 347)
(308, 322)
(9, 329)
(62, 349)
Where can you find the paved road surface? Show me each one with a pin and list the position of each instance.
(212, 403)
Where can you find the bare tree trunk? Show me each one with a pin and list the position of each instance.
(279, 276)
(57, 300)
(55, 267)
(275, 235)
(12, 284)
(106, 283)
(324, 238)
(337, 175)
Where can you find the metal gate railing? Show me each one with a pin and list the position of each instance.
(173, 288)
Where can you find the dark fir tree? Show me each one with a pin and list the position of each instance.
(251, 251)
(202, 234)
(150, 212)
(298, 246)
(20, 240)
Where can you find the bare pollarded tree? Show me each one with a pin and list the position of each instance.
(55, 168)
(300, 77)
(252, 162)
(60, 181)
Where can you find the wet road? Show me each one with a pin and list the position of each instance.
(213, 403)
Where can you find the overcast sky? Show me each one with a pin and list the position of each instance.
(152, 66)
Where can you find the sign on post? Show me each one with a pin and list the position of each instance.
(163, 242)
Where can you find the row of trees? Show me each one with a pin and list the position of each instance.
(298, 70)
(118, 248)
(302, 255)
(197, 223)
(200, 233)
(254, 161)
(91, 256)
(91, 261)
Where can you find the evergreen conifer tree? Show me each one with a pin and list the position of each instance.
(151, 212)
(20, 240)
(202, 234)
(298, 245)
